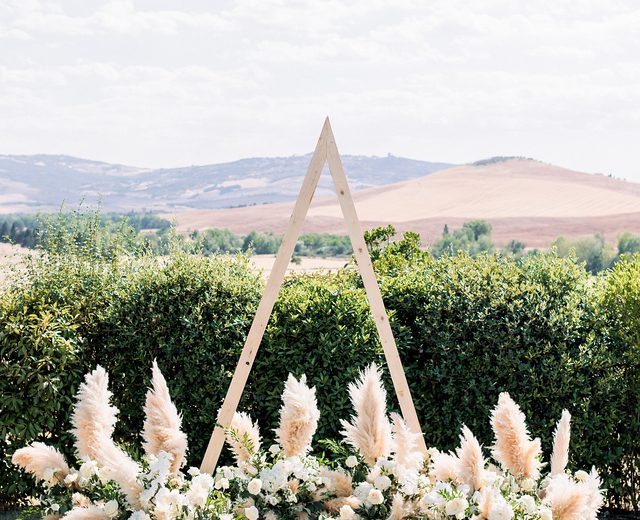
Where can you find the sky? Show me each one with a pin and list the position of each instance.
(158, 83)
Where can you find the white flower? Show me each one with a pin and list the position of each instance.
(194, 472)
(70, 478)
(528, 504)
(382, 482)
(255, 486)
(351, 462)
(55, 507)
(223, 483)
(139, 515)
(111, 508)
(227, 516)
(545, 514)
(252, 513)
(251, 470)
(271, 500)
(87, 470)
(147, 495)
(274, 449)
(456, 506)
(528, 484)
(311, 487)
(375, 497)
(347, 513)
(501, 512)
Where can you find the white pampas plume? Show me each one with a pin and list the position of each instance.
(93, 415)
(93, 420)
(405, 445)
(38, 458)
(298, 417)
(568, 500)
(86, 513)
(471, 460)
(561, 438)
(369, 431)
(445, 466)
(243, 437)
(162, 424)
(513, 447)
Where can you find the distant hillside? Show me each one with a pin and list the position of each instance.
(523, 199)
(42, 182)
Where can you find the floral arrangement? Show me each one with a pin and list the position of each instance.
(375, 472)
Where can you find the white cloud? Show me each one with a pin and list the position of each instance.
(148, 83)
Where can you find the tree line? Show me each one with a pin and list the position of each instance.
(153, 234)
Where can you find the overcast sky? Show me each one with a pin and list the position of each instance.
(168, 83)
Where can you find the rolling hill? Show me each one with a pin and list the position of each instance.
(523, 199)
(43, 182)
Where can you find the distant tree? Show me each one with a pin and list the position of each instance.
(514, 247)
(445, 231)
(593, 251)
(474, 238)
(628, 243)
(377, 239)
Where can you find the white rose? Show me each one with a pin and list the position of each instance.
(501, 513)
(545, 514)
(255, 486)
(346, 513)
(194, 472)
(252, 513)
(251, 470)
(456, 506)
(375, 497)
(55, 507)
(382, 482)
(110, 508)
(87, 469)
(274, 449)
(351, 462)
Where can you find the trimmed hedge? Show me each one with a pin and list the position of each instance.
(542, 329)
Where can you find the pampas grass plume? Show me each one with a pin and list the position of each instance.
(243, 428)
(369, 431)
(298, 417)
(513, 447)
(39, 457)
(93, 416)
(471, 459)
(568, 499)
(162, 424)
(561, 438)
(93, 420)
(445, 466)
(405, 444)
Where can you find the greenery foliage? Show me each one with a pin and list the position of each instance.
(540, 327)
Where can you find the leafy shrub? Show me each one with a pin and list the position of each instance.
(467, 328)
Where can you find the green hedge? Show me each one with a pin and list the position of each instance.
(543, 329)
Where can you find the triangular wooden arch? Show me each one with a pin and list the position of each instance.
(326, 151)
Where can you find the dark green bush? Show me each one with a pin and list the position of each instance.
(541, 328)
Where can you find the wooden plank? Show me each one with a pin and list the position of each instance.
(252, 343)
(372, 290)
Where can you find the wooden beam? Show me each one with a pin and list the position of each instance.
(252, 343)
(372, 290)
